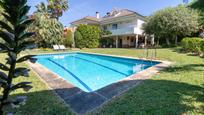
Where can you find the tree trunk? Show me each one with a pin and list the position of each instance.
(158, 42)
(176, 40)
(167, 41)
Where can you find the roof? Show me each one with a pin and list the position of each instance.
(119, 13)
(110, 15)
(91, 18)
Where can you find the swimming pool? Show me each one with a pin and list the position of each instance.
(91, 72)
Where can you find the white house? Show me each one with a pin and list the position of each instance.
(125, 26)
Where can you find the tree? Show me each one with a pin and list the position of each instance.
(87, 36)
(185, 22)
(157, 24)
(57, 7)
(79, 42)
(172, 23)
(198, 5)
(48, 30)
(105, 40)
(68, 40)
(16, 39)
(42, 8)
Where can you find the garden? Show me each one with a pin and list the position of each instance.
(179, 36)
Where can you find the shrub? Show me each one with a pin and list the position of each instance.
(106, 42)
(68, 40)
(192, 44)
(202, 46)
(185, 43)
(87, 36)
(78, 39)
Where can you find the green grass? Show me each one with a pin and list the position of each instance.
(176, 90)
(41, 100)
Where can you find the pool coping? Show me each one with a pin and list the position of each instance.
(81, 102)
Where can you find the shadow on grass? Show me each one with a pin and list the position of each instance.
(178, 50)
(187, 67)
(158, 97)
(182, 51)
(150, 97)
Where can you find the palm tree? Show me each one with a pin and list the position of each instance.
(57, 7)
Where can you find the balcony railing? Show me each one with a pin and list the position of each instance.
(123, 31)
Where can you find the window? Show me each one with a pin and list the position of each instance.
(114, 26)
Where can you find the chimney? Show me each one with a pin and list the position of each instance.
(97, 15)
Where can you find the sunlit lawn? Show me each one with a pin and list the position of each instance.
(176, 90)
(41, 100)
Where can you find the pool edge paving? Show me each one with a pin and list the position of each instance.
(82, 102)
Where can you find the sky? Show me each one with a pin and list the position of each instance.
(81, 8)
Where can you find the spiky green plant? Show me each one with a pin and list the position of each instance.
(16, 39)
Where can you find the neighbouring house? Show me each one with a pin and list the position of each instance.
(125, 27)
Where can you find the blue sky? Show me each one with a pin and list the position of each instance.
(81, 8)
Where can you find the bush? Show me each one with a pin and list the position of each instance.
(202, 46)
(193, 45)
(106, 42)
(68, 40)
(79, 40)
(87, 36)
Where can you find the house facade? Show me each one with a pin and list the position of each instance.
(124, 25)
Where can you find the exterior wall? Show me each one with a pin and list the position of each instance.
(125, 26)
(121, 25)
(125, 41)
(128, 41)
(138, 28)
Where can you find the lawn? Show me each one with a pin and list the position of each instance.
(41, 100)
(176, 90)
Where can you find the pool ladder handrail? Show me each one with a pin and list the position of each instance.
(153, 53)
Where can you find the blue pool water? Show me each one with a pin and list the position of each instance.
(91, 72)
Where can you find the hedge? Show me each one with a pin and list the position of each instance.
(194, 45)
(202, 46)
(68, 40)
(87, 36)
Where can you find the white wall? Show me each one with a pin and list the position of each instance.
(138, 28)
(122, 25)
(134, 26)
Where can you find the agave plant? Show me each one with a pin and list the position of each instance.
(16, 39)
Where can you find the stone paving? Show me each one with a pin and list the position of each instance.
(82, 102)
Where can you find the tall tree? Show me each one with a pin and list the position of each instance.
(172, 23)
(48, 30)
(16, 39)
(184, 22)
(198, 5)
(57, 7)
(42, 8)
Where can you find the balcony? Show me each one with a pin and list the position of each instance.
(123, 31)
